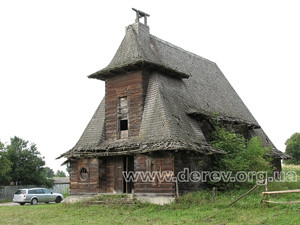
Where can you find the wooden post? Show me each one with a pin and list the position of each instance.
(266, 190)
(177, 189)
(127, 170)
(213, 195)
(267, 201)
(255, 186)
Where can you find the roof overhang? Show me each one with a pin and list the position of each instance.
(138, 65)
(201, 115)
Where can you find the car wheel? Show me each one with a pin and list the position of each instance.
(34, 201)
(22, 203)
(58, 199)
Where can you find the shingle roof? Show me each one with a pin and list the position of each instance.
(193, 85)
(94, 133)
(61, 180)
(139, 48)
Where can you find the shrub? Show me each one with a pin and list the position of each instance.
(241, 155)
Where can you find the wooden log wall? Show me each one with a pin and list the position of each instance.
(276, 162)
(103, 175)
(159, 161)
(194, 162)
(133, 85)
(90, 185)
(115, 166)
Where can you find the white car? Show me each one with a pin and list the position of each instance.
(36, 195)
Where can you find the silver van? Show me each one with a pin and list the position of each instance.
(36, 195)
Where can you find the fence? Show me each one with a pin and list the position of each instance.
(267, 193)
(265, 196)
(61, 188)
(7, 192)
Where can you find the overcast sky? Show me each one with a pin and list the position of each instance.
(47, 49)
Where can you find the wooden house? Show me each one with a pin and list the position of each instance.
(155, 116)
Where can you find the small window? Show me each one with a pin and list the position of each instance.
(83, 174)
(124, 125)
(123, 118)
(123, 102)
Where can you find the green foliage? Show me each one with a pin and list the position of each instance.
(60, 173)
(241, 155)
(67, 192)
(293, 149)
(24, 163)
(257, 157)
(5, 166)
(49, 173)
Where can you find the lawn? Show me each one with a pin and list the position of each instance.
(192, 208)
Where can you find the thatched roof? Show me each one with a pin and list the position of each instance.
(182, 84)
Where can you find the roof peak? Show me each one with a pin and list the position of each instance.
(139, 28)
(140, 14)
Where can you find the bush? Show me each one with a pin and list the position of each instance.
(242, 155)
(293, 149)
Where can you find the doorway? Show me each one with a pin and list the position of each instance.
(128, 162)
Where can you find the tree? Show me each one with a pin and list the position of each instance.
(49, 172)
(241, 155)
(293, 149)
(5, 166)
(60, 173)
(26, 163)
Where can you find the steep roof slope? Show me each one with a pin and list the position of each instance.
(94, 133)
(207, 90)
(181, 84)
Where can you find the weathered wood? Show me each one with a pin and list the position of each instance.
(103, 175)
(281, 192)
(266, 184)
(151, 163)
(192, 162)
(91, 183)
(213, 195)
(266, 194)
(266, 189)
(177, 189)
(242, 196)
(281, 202)
(132, 86)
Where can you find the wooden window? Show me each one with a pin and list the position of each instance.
(83, 174)
(123, 117)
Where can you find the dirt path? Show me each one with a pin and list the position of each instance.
(9, 204)
(17, 204)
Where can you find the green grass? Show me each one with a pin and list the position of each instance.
(192, 208)
(5, 200)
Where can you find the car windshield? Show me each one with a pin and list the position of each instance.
(19, 192)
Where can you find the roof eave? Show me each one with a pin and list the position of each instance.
(138, 65)
(226, 119)
(130, 148)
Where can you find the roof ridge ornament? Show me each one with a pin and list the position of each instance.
(140, 14)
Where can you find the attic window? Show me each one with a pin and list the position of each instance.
(83, 174)
(123, 117)
(124, 125)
